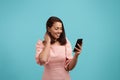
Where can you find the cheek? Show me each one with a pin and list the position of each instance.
(53, 33)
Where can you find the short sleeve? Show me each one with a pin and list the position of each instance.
(69, 50)
(39, 48)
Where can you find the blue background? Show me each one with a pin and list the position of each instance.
(22, 23)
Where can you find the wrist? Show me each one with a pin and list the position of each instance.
(47, 43)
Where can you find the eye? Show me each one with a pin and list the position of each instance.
(56, 28)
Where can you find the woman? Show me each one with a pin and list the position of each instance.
(55, 52)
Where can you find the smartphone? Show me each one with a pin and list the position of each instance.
(79, 41)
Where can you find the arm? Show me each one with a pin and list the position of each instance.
(73, 62)
(44, 55)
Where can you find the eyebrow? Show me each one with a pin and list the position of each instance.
(58, 27)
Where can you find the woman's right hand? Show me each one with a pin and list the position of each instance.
(47, 38)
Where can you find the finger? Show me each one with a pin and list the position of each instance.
(78, 50)
(79, 46)
(67, 61)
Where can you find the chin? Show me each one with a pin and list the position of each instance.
(57, 37)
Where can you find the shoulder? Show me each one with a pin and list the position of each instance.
(68, 42)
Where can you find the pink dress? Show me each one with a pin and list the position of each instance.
(54, 68)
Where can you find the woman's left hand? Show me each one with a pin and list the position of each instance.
(78, 50)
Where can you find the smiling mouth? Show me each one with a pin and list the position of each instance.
(58, 35)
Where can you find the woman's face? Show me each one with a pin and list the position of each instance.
(56, 30)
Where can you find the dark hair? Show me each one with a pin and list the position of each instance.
(49, 23)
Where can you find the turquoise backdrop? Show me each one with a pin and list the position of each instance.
(22, 23)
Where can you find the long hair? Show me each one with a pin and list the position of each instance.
(49, 23)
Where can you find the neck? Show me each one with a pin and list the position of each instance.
(55, 40)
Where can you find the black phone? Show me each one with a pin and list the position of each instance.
(79, 41)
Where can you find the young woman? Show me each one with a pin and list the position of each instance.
(55, 52)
